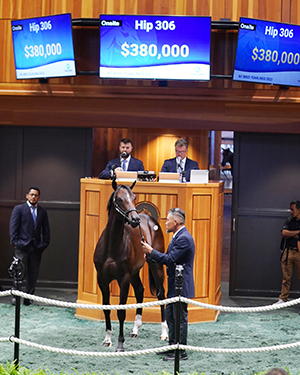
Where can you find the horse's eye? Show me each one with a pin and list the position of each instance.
(119, 199)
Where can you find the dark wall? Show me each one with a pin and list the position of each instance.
(266, 180)
(53, 159)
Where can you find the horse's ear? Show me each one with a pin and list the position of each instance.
(132, 186)
(114, 184)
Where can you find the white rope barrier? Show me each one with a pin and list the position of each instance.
(4, 339)
(240, 350)
(152, 350)
(5, 293)
(149, 304)
(53, 302)
(93, 354)
(275, 306)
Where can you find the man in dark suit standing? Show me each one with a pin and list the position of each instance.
(125, 162)
(30, 235)
(181, 251)
(180, 163)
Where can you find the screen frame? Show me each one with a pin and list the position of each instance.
(41, 77)
(253, 81)
(160, 80)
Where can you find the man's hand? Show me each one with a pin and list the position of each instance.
(146, 248)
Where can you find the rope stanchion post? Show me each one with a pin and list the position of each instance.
(178, 285)
(17, 271)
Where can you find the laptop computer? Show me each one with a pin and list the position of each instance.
(199, 176)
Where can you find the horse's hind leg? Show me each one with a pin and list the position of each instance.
(139, 295)
(164, 326)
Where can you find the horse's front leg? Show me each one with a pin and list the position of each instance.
(139, 295)
(105, 297)
(124, 289)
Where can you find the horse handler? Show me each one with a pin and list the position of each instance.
(181, 251)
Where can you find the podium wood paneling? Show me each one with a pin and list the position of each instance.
(203, 205)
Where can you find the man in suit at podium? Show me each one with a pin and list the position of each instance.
(30, 236)
(181, 251)
(180, 163)
(125, 162)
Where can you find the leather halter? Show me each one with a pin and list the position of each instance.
(125, 214)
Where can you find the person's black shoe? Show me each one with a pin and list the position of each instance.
(166, 352)
(27, 302)
(171, 357)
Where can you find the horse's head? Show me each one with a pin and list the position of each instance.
(123, 200)
(227, 156)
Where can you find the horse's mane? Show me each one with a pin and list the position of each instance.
(109, 203)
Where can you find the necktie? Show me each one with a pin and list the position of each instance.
(124, 165)
(33, 215)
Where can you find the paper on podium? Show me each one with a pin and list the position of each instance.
(169, 177)
(126, 176)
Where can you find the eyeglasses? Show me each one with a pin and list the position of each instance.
(180, 152)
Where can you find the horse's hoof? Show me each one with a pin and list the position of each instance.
(164, 338)
(107, 344)
(133, 335)
(120, 350)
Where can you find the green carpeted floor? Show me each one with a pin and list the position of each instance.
(59, 328)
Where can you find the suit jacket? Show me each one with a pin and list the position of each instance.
(170, 165)
(22, 231)
(181, 250)
(133, 166)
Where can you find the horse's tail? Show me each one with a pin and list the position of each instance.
(155, 282)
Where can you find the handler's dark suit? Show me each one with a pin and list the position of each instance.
(170, 165)
(133, 166)
(29, 240)
(181, 250)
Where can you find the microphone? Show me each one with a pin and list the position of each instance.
(112, 170)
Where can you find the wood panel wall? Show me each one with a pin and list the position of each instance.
(152, 146)
(276, 10)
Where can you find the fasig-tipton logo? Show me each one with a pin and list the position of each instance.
(111, 23)
(17, 27)
(247, 26)
(149, 209)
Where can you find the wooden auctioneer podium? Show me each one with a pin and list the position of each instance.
(203, 205)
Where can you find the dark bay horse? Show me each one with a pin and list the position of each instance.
(227, 158)
(119, 256)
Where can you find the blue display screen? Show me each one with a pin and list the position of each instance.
(155, 47)
(268, 52)
(43, 47)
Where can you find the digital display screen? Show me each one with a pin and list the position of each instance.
(43, 47)
(268, 52)
(155, 47)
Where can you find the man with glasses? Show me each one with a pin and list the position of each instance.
(30, 235)
(180, 163)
